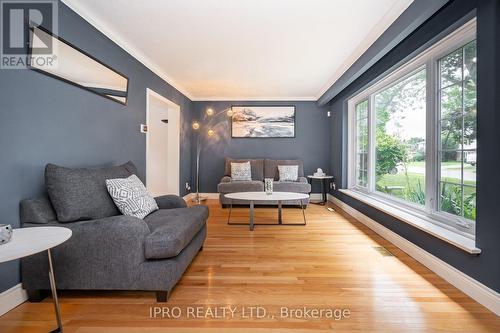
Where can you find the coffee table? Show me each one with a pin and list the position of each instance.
(28, 241)
(252, 197)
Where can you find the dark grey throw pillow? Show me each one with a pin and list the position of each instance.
(81, 193)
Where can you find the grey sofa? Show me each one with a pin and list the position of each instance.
(261, 169)
(109, 251)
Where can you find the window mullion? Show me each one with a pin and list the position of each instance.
(371, 144)
(431, 137)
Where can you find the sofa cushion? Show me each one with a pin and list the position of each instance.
(271, 167)
(81, 194)
(256, 165)
(172, 230)
(38, 210)
(131, 197)
(240, 186)
(297, 187)
(241, 171)
(288, 173)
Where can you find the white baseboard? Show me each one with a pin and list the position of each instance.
(473, 288)
(11, 298)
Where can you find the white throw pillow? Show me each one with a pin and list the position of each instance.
(288, 173)
(241, 171)
(131, 197)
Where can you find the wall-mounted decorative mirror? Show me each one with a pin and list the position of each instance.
(76, 67)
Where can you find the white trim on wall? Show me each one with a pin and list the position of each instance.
(173, 146)
(11, 298)
(471, 287)
(258, 98)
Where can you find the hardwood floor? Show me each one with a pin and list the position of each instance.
(331, 263)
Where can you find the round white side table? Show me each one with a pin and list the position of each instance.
(28, 241)
(324, 186)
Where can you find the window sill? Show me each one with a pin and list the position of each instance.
(460, 241)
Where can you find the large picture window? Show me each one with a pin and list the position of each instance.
(413, 134)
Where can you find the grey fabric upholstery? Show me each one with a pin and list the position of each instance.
(226, 179)
(125, 268)
(297, 187)
(80, 193)
(172, 230)
(110, 253)
(257, 166)
(170, 201)
(271, 167)
(227, 185)
(240, 186)
(38, 210)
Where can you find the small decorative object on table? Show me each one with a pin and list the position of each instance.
(5, 233)
(268, 185)
(319, 173)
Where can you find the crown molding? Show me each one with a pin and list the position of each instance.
(396, 10)
(258, 98)
(125, 45)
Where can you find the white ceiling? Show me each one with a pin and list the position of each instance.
(244, 49)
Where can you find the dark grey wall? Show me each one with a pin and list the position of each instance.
(46, 120)
(485, 267)
(311, 143)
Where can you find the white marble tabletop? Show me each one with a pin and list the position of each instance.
(28, 241)
(320, 177)
(262, 196)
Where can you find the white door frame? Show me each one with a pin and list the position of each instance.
(177, 152)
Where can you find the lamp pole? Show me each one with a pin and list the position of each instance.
(196, 126)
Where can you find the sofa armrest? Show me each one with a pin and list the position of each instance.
(226, 179)
(302, 180)
(170, 201)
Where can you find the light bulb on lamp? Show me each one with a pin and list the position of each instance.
(229, 113)
(195, 125)
(210, 132)
(210, 112)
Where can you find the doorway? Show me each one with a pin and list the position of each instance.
(162, 145)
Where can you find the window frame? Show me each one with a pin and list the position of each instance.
(429, 58)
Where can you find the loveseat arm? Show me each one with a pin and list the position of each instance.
(170, 201)
(226, 179)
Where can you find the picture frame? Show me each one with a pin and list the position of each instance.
(263, 121)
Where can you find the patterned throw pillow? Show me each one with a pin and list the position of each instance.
(288, 173)
(241, 171)
(131, 197)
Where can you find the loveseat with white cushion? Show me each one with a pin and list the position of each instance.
(261, 169)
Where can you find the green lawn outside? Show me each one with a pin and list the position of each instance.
(448, 164)
(414, 179)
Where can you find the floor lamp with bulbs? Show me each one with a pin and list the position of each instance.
(197, 126)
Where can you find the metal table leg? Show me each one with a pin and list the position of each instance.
(324, 189)
(230, 209)
(251, 215)
(59, 328)
(303, 212)
(280, 219)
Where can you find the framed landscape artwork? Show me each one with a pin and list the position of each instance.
(263, 122)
